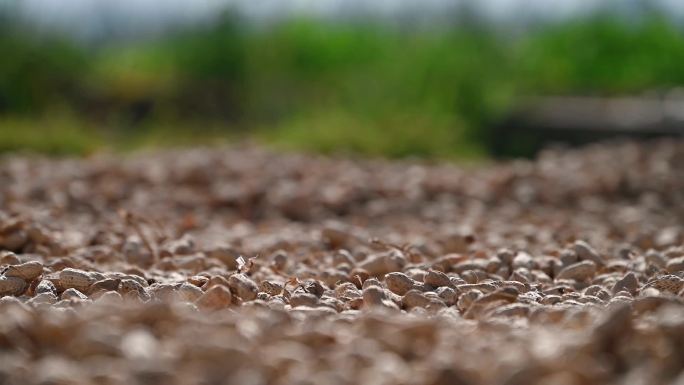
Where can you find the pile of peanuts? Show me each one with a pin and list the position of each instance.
(242, 265)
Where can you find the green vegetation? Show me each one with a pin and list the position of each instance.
(55, 135)
(367, 88)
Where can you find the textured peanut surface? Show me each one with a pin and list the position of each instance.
(243, 266)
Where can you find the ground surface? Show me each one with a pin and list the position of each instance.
(244, 266)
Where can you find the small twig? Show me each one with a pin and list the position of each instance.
(387, 245)
(132, 221)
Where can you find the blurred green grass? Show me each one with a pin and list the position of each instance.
(57, 134)
(362, 87)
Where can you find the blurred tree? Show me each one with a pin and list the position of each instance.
(38, 71)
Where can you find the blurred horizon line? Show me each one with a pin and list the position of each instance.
(93, 20)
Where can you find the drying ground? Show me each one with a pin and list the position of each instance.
(245, 266)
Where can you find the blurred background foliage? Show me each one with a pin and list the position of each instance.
(363, 86)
